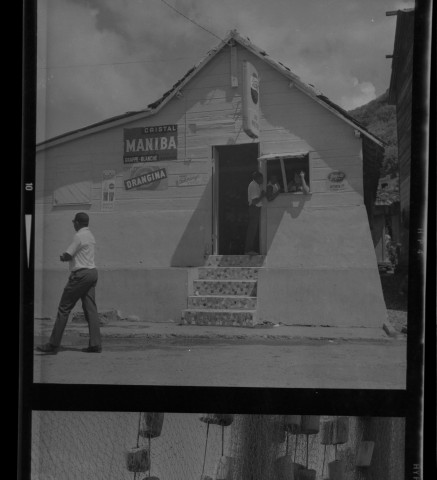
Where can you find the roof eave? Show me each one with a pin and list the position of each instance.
(72, 135)
(311, 91)
(233, 35)
(94, 128)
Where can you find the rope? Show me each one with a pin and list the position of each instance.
(295, 448)
(150, 457)
(206, 444)
(307, 452)
(138, 438)
(138, 431)
(324, 456)
(286, 445)
(223, 438)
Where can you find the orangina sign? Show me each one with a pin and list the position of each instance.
(145, 177)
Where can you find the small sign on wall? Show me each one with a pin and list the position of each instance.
(188, 180)
(108, 190)
(250, 100)
(336, 181)
(145, 177)
(150, 144)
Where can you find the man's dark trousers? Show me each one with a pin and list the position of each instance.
(252, 229)
(81, 285)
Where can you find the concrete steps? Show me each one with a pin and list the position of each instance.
(235, 261)
(225, 293)
(225, 287)
(228, 273)
(224, 302)
(228, 318)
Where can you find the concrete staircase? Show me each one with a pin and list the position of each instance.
(225, 292)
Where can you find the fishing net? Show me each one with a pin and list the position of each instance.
(175, 446)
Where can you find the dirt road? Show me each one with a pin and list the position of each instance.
(203, 362)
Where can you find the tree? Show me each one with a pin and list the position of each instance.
(380, 119)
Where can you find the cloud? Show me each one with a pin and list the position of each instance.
(107, 57)
(362, 93)
(403, 4)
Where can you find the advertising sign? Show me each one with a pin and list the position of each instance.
(189, 180)
(335, 181)
(142, 177)
(250, 100)
(108, 190)
(150, 144)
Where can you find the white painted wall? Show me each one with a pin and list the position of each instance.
(159, 230)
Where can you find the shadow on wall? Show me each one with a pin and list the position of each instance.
(330, 134)
(72, 209)
(295, 206)
(196, 241)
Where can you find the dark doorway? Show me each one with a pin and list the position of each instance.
(235, 166)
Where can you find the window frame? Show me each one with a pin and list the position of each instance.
(264, 159)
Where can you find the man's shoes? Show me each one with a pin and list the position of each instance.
(94, 349)
(48, 348)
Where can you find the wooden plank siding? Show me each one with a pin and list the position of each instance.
(401, 96)
(207, 114)
(403, 113)
(209, 99)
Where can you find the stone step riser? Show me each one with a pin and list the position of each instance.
(228, 273)
(225, 293)
(220, 288)
(235, 261)
(218, 318)
(237, 303)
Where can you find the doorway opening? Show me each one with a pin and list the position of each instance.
(234, 166)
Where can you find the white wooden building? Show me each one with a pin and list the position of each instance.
(166, 186)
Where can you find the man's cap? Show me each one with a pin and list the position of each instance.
(81, 218)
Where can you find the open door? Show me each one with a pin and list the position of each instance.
(232, 170)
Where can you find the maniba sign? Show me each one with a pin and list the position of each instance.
(150, 144)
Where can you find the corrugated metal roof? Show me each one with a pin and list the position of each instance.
(233, 36)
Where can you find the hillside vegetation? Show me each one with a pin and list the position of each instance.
(380, 119)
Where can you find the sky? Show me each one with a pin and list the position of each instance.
(101, 58)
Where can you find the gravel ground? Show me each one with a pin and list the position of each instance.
(395, 301)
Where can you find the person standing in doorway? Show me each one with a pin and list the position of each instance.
(81, 285)
(254, 195)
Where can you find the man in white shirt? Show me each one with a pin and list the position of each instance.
(254, 196)
(81, 285)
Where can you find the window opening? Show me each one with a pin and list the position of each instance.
(286, 170)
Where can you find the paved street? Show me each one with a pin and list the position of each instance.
(289, 357)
